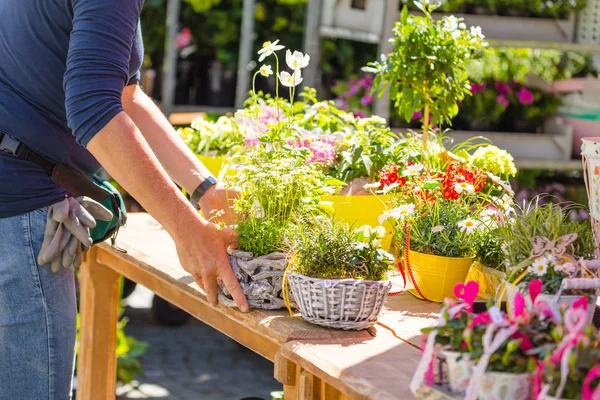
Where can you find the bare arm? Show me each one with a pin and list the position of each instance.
(201, 246)
(174, 155)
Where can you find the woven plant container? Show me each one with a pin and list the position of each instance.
(342, 304)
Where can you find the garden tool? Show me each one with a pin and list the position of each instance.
(67, 231)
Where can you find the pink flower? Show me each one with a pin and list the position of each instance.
(417, 115)
(366, 100)
(525, 96)
(476, 87)
(503, 88)
(503, 100)
(251, 138)
(184, 38)
(525, 342)
(581, 302)
(353, 90)
(359, 114)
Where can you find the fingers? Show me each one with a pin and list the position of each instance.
(51, 227)
(73, 225)
(56, 264)
(68, 255)
(78, 256)
(233, 287)
(230, 238)
(52, 251)
(210, 288)
(95, 209)
(82, 215)
(59, 211)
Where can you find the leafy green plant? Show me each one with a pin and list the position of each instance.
(427, 69)
(262, 236)
(333, 250)
(211, 138)
(129, 351)
(549, 221)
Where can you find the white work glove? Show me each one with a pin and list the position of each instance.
(68, 231)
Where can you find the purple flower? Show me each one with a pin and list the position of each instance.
(503, 100)
(359, 114)
(353, 90)
(525, 96)
(503, 88)
(417, 115)
(341, 104)
(366, 82)
(366, 100)
(476, 87)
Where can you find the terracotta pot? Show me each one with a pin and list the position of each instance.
(459, 371)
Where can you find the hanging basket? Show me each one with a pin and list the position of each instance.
(434, 277)
(348, 304)
(590, 151)
(489, 280)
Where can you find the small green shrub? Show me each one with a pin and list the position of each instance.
(262, 236)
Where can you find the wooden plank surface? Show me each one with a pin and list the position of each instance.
(379, 367)
(152, 256)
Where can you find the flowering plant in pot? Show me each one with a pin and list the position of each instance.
(440, 207)
(338, 274)
(570, 371)
(541, 243)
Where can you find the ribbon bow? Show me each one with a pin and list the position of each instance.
(587, 393)
(575, 321)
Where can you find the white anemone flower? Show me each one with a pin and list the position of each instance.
(296, 60)
(464, 187)
(290, 80)
(268, 48)
(413, 169)
(469, 226)
(266, 70)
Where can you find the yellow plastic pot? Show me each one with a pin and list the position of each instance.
(436, 276)
(361, 210)
(489, 280)
(216, 165)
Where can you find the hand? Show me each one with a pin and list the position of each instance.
(202, 251)
(219, 198)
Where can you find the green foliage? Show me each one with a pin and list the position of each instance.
(333, 250)
(427, 69)
(129, 351)
(495, 160)
(211, 138)
(262, 236)
(489, 251)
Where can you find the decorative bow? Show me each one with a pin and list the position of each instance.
(587, 393)
(575, 322)
(558, 247)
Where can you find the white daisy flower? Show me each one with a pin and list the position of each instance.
(539, 266)
(398, 213)
(464, 187)
(372, 186)
(268, 48)
(469, 226)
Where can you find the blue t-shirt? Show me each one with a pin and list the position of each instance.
(63, 67)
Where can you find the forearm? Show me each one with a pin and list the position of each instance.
(178, 160)
(124, 153)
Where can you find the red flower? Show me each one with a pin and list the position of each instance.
(389, 176)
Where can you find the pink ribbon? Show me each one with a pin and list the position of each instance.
(424, 368)
(586, 392)
(494, 337)
(575, 322)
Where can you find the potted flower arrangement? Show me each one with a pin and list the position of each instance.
(541, 243)
(338, 275)
(571, 368)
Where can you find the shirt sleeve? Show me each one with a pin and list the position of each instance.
(97, 67)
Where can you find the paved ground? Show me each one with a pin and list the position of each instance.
(192, 362)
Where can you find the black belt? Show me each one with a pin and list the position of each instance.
(10, 145)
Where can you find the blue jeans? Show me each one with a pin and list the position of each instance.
(38, 314)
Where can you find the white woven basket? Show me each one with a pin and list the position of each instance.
(343, 304)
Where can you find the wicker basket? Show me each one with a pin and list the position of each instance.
(342, 304)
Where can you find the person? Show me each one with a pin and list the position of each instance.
(69, 90)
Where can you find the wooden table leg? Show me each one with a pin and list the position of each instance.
(97, 363)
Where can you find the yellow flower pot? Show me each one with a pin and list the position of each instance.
(436, 276)
(489, 280)
(215, 164)
(361, 210)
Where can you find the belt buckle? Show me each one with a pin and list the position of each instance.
(9, 144)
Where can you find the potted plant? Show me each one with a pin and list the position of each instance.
(541, 243)
(570, 369)
(440, 208)
(338, 275)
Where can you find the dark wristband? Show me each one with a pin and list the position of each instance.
(201, 190)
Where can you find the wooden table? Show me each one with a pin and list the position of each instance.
(311, 362)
